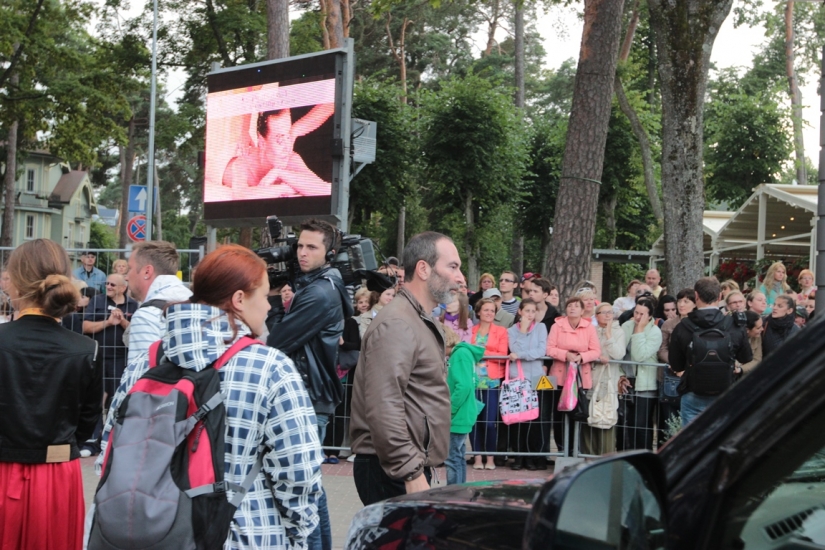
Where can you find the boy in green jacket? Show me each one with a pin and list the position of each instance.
(461, 378)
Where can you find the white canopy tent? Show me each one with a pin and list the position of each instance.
(776, 220)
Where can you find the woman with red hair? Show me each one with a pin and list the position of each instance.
(267, 406)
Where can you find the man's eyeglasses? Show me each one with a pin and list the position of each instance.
(111, 284)
(506, 281)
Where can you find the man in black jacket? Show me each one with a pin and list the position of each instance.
(310, 331)
(703, 380)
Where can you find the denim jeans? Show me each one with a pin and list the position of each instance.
(484, 435)
(455, 463)
(693, 404)
(321, 538)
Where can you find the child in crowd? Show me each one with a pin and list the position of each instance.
(461, 378)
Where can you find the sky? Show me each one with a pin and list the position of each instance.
(733, 47)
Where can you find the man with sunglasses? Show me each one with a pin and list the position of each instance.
(106, 318)
(507, 286)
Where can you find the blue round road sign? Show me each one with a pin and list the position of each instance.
(136, 228)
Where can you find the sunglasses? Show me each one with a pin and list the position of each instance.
(506, 281)
(111, 284)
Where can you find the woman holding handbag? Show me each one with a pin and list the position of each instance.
(573, 339)
(528, 342)
(490, 372)
(598, 436)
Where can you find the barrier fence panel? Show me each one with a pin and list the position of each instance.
(644, 421)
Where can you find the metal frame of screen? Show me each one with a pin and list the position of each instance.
(337, 64)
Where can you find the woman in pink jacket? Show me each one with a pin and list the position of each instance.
(572, 339)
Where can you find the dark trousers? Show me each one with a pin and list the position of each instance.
(638, 431)
(373, 483)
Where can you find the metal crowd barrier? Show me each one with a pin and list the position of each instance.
(642, 424)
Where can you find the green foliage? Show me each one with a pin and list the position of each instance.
(746, 139)
(305, 33)
(101, 236)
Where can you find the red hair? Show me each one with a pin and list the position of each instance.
(222, 273)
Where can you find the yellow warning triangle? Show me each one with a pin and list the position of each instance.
(544, 384)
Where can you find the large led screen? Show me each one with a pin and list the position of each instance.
(269, 140)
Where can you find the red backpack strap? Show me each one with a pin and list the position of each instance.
(155, 353)
(243, 342)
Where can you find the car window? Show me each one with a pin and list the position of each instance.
(782, 501)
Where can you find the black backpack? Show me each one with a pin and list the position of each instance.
(711, 358)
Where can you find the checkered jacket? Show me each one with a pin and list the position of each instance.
(268, 410)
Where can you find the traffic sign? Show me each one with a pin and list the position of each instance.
(136, 228)
(137, 198)
(544, 384)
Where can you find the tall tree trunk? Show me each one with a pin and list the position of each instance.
(796, 98)
(519, 53)
(517, 261)
(401, 239)
(7, 228)
(644, 145)
(324, 29)
(346, 14)
(469, 241)
(277, 36)
(335, 24)
(685, 32)
(399, 52)
(492, 27)
(578, 198)
(127, 158)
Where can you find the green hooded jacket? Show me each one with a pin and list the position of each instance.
(461, 378)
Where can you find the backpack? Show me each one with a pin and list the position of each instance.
(711, 358)
(163, 474)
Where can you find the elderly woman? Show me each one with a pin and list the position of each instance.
(644, 340)
(573, 339)
(588, 298)
(806, 284)
(598, 436)
(774, 284)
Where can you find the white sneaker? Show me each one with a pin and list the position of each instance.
(351, 458)
(85, 453)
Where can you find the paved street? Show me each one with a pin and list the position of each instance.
(343, 498)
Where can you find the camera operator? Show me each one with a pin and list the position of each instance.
(309, 332)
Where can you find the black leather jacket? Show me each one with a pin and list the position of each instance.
(51, 384)
(310, 331)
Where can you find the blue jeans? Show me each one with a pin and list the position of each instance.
(321, 538)
(484, 434)
(693, 404)
(456, 466)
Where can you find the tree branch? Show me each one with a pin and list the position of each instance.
(18, 52)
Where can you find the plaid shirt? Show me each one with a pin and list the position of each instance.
(267, 408)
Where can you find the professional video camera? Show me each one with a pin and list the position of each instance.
(353, 254)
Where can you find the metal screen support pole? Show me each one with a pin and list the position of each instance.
(819, 261)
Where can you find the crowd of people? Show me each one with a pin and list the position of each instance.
(405, 371)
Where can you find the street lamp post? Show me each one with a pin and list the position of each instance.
(150, 172)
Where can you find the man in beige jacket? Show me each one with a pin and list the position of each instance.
(400, 424)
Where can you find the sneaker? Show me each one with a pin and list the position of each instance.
(85, 453)
(332, 460)
(351, 458)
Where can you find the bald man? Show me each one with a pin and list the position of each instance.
(653, 278)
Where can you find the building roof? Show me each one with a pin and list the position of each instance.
(67, 185)
(790, 211)
(712, 222)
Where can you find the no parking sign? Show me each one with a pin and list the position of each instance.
(136, 228)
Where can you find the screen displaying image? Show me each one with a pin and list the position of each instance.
(252, 142)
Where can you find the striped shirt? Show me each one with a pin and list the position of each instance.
(268, 410)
